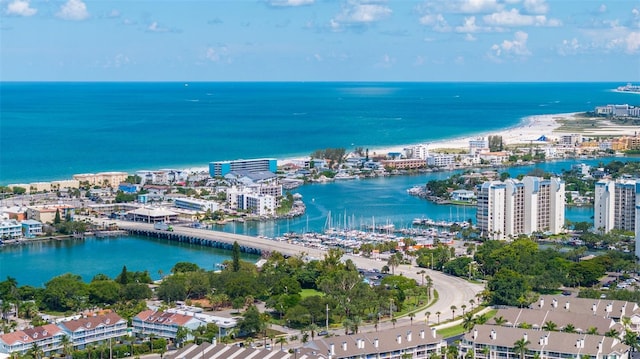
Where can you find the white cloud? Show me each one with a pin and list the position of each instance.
(436, 21)
(220, 54)
(477, 6)
(360, 13)
(570, 47)
(73, 10)
(420, 60)
(118, 61)
(470, 37)
(289, 3)
(156, 27)
(632, 42)
(602, 8)
(20, 8)
(512, 48)
(386, 61)
(536, 6)
(469, 25)
(513, 17)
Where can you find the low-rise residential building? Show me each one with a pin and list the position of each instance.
(441, 160)
(607, 308)
(489, 341)
(31, 228)
(47, 213)
(94, 329)
(404, 164)
(415, 341)
(164, 324)
(195, 204)
(102, 179)
(47, 338)
(258, 204)
(215, 351)
(10, 229)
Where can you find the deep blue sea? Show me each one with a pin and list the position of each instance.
(51, 131)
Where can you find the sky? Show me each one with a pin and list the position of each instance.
(320, 40)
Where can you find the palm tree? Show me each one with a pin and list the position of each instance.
(355, 324)
(313, 328)
(631, 339)
(429, 286)
(422, 273)
(394, 321)
(464, 306)
(612, 333)
(282, 340)
(411, 315)
(550, 326)
(67, 346)
(520, 347)
(468, 321)
(453, 311)
(393, 262)
(499, 320)
(592, 330)
(472, 303)
(438, 314)
(569, 328)
(36, 351)
(427, 314)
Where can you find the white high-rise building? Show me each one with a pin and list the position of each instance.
(521, 207)
(615, 205)
(490, 214)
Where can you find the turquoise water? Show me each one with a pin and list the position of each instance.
(37, 262)
(54, 130)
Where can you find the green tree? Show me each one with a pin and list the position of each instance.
(57, 219)
(520, 347)
(251, 322)
(235, 255)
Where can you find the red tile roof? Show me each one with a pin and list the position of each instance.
(31, 335)
(109, 319)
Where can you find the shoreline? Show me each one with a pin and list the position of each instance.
(528, 130)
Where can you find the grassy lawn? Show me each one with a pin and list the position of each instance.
(310, 292)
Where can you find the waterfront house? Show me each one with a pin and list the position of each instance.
(31, 228)
(94, 329)
(415, 341)
(47, 338)
(47, 213)
(10, 229)
(164, 324)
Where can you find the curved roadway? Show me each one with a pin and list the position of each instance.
(452, 291)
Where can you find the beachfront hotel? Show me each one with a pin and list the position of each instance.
(222, 168)
(510, 208)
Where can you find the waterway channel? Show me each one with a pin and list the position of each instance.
(352, 203)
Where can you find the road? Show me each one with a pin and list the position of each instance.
(452, 291)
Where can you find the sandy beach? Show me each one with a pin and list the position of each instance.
(530, 129)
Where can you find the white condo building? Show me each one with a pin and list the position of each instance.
(615, 205)
(510, 208)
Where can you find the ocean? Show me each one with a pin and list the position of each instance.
(50, 131)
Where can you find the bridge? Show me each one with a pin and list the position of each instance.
(217, 239)
(451, 290)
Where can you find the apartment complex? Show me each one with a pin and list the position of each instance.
(510, 208)
(415, 341)
(81, 332)
(221, 168)
(492, 341)
(615, 205)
